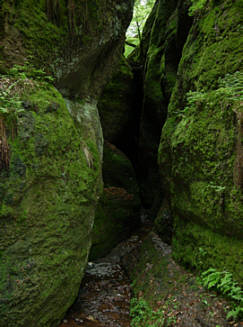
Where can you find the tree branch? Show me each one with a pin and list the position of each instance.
(130, 44)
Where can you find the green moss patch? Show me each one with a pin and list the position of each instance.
(200, 248)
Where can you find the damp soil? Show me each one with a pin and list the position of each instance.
(105, 293)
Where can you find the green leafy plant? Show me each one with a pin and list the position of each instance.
(233, 84)
(196, 7)
(142, 314)
(223, 283)
(194, 99)
(9, 104)
(20, 78)
(13, 85)
(142, 9)
(10, 107)
(27, 70)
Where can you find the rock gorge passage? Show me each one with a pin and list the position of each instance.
(90, 141)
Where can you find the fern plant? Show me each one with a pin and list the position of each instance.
(233, 83)
(27, 70)
(9, 104)
(222, 282)
(20, 78)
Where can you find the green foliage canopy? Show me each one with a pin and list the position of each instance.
(142, 9)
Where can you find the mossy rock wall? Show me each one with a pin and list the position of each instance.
(200, 148)
(116, 217)
(77, 41)
(118, 211)
(118, 170)
(159, 53)
(116, 109)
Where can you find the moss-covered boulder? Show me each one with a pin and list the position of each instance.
(48, 197)
(200, 149)
(118, 209)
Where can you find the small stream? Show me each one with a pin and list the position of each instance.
(104, 296)
(103, 299)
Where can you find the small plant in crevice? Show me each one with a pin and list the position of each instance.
(223, 283)
(195, 100)
(10, 103)
(19, 80)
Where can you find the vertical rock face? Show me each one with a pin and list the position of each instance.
(200, 149)
(159, 53)
(51, 148)
(192, 81)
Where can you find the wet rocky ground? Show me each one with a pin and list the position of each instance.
(103, 300)
(105, 293)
